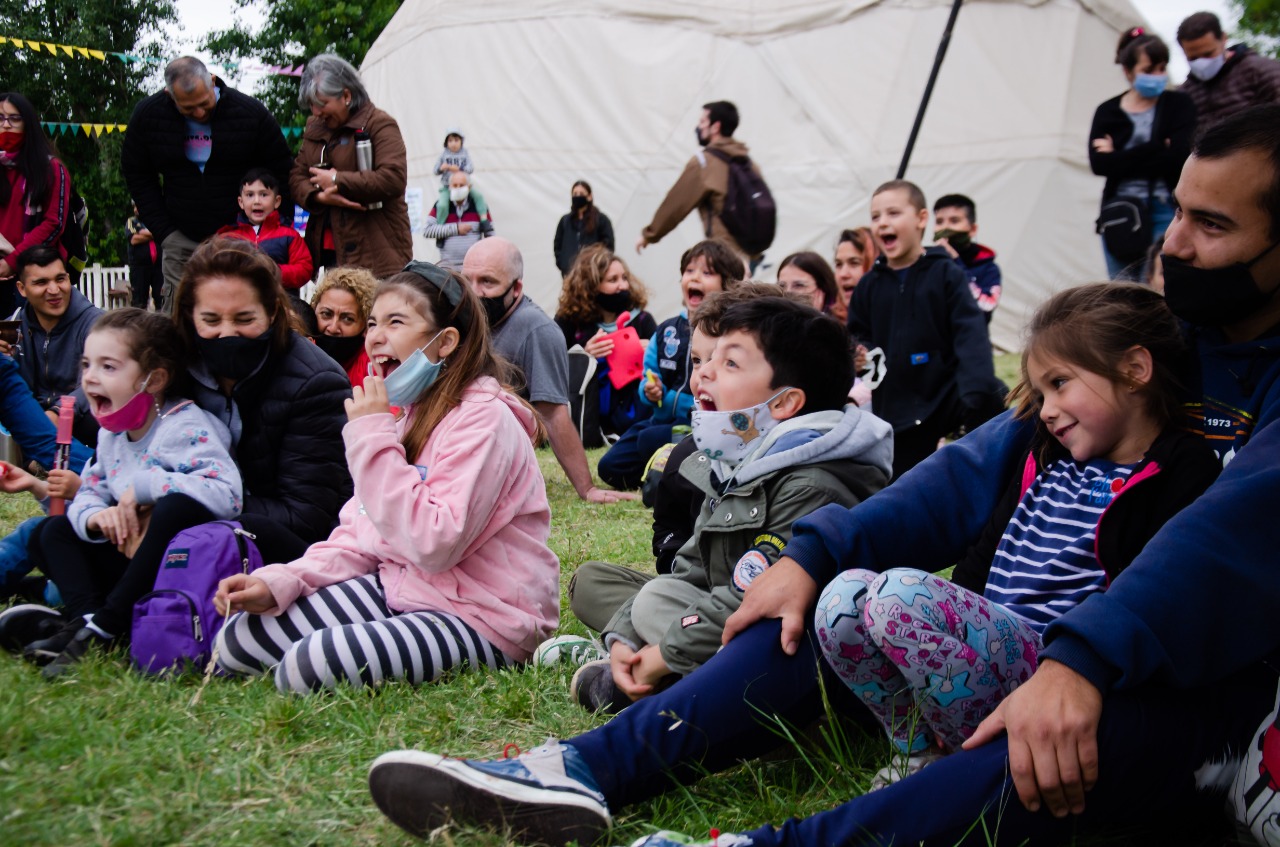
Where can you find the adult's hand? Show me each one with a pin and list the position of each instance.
(783, 591)
(463, 228)
(605, 495)
(6, 269)
(598, 345)
(641, 243)
(1104, 145)
(323, 178)
(331, 197)
(1052, 722)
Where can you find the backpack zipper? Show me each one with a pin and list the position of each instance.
(196, 629)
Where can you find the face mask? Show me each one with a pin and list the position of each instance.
(1150, 85)
(959, 241)
(579, 202)
(1207, 68)
(727, 436)
(615, 303)
(496, 307)
(341, 348)
(131, 415)
(702, 142)
(233, 357)
(10, 146)
(1213, 296)
(457, 195)
(414, 376)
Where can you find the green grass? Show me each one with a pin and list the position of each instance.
(109, 757)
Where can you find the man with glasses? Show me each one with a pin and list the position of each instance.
(185, 151)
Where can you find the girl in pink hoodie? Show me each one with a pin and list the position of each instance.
(440, 559)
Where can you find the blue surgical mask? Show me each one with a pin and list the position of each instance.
(1150, 85)
(414, 376)
(1207, 68)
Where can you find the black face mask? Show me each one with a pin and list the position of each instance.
(959, 241)
(702, 142)
(579, 202)
(615, 303)
(1213, 296)
(234, 357)
(496, 307)
(341, 348)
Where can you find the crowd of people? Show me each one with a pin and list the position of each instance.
(377, 444)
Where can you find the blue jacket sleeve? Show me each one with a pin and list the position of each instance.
(1198, 604)
(926, 519)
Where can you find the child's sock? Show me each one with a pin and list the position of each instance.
(94, 628)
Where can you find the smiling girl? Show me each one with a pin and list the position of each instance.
(1109, 465)
(162, 465)
(441, 559)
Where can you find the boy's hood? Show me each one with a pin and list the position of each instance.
(819, 437)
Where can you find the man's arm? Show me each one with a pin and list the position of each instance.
(569, 453)
(682, 199)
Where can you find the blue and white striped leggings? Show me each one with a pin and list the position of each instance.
(345, 633)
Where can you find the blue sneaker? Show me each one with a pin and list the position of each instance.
(676, 839)
(545, 796)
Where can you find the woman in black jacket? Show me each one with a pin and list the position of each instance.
(281, 396)
(583, 226)
(1139, 142)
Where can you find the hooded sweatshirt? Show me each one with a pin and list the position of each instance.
(463, 529)
(832, 457)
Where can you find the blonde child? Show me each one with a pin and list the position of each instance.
(440, 559)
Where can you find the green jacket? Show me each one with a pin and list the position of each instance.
(739, 534)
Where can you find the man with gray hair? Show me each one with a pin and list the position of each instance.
(186, 149)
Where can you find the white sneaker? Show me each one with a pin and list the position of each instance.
(902, 766)
(570, 649)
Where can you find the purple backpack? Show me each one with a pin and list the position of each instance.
(177, 623)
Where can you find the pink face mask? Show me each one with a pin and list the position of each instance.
(131, 415)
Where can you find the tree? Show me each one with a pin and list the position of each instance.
(296, 30)
(79, 90)
(1260, 19)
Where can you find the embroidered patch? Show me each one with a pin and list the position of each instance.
(177, 558)
(688, 621)
(750, 566)
(769, 544)
(670, 342)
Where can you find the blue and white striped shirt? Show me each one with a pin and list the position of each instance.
(1045, 564)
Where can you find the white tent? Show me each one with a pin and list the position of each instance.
(550, 91)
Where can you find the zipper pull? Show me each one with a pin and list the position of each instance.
(195, 626)
(246, 533)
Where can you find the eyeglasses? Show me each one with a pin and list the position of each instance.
(10, 120)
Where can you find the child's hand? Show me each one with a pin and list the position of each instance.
(653, 389)
(243, 593)
(110, 523)
(131, 544)
(14, 480)
(622, 661)
(599, 346)
(63, 483)
(369, 400)
(651, 668)
(946, 245)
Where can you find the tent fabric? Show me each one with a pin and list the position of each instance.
(552, 91)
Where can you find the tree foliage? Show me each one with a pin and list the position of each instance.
(296, 30)
(66, 89)
(1261, 20)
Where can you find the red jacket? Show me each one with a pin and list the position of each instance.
(281, 243)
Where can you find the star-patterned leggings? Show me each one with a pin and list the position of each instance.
(930, 659)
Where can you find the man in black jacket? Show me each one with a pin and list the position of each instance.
(185, 151)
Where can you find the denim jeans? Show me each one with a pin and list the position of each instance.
(20, 413)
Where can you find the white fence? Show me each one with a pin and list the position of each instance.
(108, 288)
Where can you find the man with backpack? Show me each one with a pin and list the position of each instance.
(724, 185)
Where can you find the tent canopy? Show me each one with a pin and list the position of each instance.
(551, 91)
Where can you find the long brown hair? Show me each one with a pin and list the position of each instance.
(227, 257)
(578, 294)
(590, 217)
(471, 359)
(816, 267)
(1092, 327)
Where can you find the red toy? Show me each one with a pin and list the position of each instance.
(626, 362)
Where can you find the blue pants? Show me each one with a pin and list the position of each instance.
(15, 563)
(622, 465)
(1161, 217)
(1150, 744)
(26, 421)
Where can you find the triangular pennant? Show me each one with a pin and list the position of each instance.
(52, 48)
(66, 49)
(82, 51)
(98, 54)
(33, 45)
(124, 59)
(97, 130)
(3, 39)
(17, 42)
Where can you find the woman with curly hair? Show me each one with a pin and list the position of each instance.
(342, 301)
(600, 297)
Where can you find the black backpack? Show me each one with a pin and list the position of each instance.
(74, 234)
(749, 212)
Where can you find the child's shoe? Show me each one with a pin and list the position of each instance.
(593, 688)
(20, 625)
(676, 839)
(544, 796)
(45, 650)
(575, 650)
(902, 766)
(85, 639)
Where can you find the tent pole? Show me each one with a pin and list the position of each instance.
(928, 89)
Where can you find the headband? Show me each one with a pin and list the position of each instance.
(443, 280)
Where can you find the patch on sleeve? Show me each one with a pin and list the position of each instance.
(750, 566)
(177, 558)
(688, 621)
(769, 544)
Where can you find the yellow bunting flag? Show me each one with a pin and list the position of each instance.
(50, 47)
(67, 50)
(83, 52)
(98, 54)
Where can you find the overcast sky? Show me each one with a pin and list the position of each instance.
(199, 17)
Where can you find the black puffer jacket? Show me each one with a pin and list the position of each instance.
(245, 136)
(286, 423)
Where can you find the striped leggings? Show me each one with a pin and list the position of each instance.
(346, 633)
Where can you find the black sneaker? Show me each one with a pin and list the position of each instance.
(29, 589)
(45, 650)
(593, 689)
(20, 625)
(79, 647)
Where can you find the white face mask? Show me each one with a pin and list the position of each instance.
(1207, 68)
(457, 195)
(729, 436)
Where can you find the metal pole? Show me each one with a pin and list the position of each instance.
(928, 89)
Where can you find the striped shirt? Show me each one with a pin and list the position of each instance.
(1045, 564)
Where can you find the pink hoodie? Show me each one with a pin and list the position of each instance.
(464, 531)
